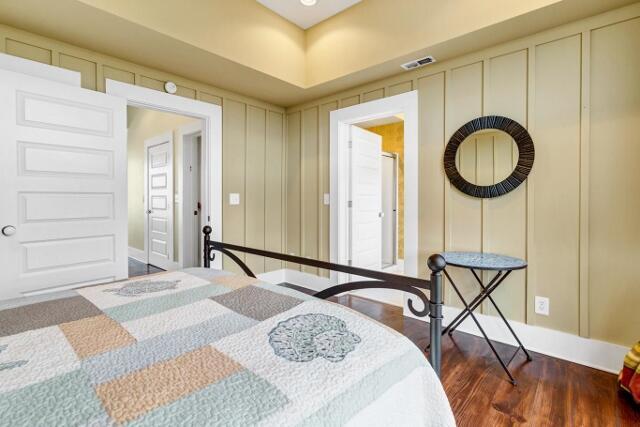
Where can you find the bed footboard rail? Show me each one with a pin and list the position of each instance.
(431, 304)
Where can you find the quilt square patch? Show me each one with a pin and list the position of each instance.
(44, 314)
(95, 335)
(129, 397)
(139, 289)
(175, 319)
(257, 303)
(234, 281)
(34, 356)
(53, 402)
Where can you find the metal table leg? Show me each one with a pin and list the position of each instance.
(488, 295)
(470, 312)
(475, 303)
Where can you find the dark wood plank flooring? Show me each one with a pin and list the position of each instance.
(137, 268)
(550, 391)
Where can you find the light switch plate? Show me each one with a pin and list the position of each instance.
(234, 199)
(327, 199)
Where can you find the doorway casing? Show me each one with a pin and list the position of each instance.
(211, 116)
(340, 121)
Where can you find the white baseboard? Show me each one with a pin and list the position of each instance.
(137, 254)
(275, 277)
(584, 351)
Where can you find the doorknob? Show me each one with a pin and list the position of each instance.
(8, 230)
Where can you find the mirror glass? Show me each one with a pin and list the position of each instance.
(487, 157)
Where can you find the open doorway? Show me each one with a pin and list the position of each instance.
(164, 190)
(374, 188)
(199, 128)
(390, 132)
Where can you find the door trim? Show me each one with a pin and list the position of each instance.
(164, 138)
(340, 120)
(394, 158)
(211, 116)
(185, 132)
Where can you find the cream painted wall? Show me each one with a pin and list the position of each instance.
(253, 135)
(576, 89)
(143, 124)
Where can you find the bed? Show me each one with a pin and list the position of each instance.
(208, 347)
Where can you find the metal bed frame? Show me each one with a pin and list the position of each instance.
(431, 305)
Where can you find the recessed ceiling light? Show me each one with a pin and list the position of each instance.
(308, 2)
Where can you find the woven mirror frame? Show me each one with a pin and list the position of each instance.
(526, 155)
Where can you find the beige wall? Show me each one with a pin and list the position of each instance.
(393, 142)
(577, 90)
(253, 135)
(143, 124)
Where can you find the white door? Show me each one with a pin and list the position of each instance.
(366, 201)
(389, 188)
(159, 178)
(63, 170)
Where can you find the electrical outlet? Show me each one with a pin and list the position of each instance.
(542, 305)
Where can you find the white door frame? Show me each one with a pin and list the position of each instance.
(340, 120)
(185, 132)
(164, 138)
(211, 115)
(394, 159)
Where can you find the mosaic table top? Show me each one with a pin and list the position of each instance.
(483, 261)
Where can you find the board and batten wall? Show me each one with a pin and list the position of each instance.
(253, 136)
(576, 219)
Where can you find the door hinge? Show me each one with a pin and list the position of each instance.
(350, 144)
(209, 219)
(350, 204)
(349, 262)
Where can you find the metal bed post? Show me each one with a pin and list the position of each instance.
(436, 264)
(206, 248)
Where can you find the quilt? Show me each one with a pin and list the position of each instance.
(207, 347)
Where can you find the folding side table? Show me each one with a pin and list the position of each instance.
(473, 261)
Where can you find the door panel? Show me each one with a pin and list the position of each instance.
(366, 188)
(160, 196)
(63, 174)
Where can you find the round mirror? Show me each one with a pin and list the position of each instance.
(489, 156)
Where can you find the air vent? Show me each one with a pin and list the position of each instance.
(419, 62)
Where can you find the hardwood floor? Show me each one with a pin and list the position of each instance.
(137, 268)
(550, 391)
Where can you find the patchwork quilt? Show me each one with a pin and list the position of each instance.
(206, 347)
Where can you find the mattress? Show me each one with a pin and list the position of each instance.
(207, 347)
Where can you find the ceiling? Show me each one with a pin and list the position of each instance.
(307, 16)
(248, 49)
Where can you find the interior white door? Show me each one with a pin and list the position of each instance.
(366, 199)
(159, 174)
(389, 206)
(63, 170)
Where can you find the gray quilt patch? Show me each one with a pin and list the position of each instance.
(304, 337)
(144, 287)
